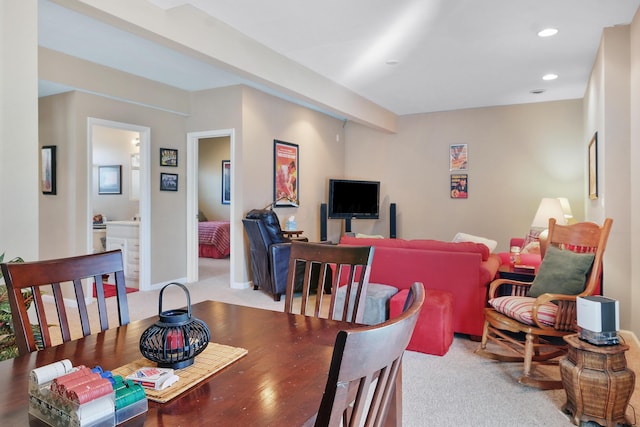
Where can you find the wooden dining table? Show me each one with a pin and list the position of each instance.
(279, 382)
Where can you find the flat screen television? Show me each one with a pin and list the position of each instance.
(354, 199)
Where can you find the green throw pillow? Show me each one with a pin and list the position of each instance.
(561, 272)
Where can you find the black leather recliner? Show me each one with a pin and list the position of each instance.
(269, 251)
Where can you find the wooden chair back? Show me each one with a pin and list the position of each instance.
(318, 263)
(582, 237)
(42, 277)
(360, 356)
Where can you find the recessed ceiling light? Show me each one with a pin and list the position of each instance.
(548, 32)
(536, 91)
(392, 62)
(549, 77)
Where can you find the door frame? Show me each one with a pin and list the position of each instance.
(145, 193)
(192, 201)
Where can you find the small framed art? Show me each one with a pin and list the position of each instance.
(459, 186)
(458, 157)
(226, 182)
(168, 157)
(110, 179)
(48, 165)
(168, 181)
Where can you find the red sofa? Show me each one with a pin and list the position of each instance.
(464, 269)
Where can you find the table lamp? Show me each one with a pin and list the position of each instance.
(566, 208)
(548, 208)
(177, 338)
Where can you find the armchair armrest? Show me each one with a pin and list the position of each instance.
(279, 254)
(499, 288)
(565, 314)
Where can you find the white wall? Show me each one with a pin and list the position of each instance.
(634, 159)
(517, 155)
(258, 119)
(607, 112)
(63, 122)
(19, 151)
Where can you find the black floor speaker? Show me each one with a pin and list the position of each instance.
(392, 220)
(323, 222)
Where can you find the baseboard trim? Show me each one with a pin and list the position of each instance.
(241, 285)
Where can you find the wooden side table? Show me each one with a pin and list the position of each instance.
(507, 271)
(291, 234)
(597, 382)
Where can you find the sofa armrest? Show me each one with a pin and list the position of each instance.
(516, 241)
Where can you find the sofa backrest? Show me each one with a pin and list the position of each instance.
(426, 244)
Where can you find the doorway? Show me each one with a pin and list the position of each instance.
(193, 141)
(128, 201)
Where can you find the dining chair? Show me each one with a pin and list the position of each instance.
(364, 368)
(525, 321)
(26, 280)
(313, 265)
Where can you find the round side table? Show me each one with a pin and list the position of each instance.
(597, 382)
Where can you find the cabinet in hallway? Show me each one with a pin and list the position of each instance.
(124, 235)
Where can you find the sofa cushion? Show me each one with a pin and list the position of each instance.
(561, 272)
(426, 244)
(438, 245)
(520, 309)
(464, 237)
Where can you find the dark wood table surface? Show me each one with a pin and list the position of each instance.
(278, 383)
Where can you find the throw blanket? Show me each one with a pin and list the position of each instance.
(216, 234)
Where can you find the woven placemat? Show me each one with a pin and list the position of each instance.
(207, 363)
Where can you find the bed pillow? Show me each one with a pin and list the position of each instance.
(201, 216)
(561, 272)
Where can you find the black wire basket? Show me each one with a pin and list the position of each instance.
(177, 338)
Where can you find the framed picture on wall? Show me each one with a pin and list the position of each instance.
(593, 167)
(459, 186)
(48, 173)
(286, 175)
(458, 157)
(226, 182)
(110, 179)
(168, 157)
(168, 182)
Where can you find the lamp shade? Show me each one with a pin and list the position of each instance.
(548, 208)
(566, 208)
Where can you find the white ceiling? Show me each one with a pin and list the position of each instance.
(451, 54)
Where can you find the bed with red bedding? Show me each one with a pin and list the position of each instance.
(214, 240)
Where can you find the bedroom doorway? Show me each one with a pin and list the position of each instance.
(206, 152)
(125, 153)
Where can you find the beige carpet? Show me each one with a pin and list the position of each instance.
(458, 389)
